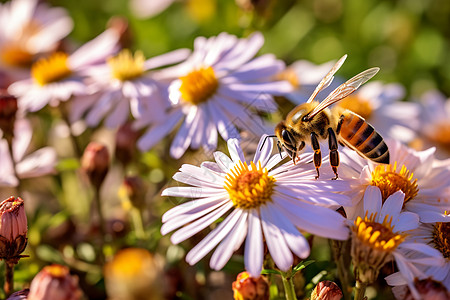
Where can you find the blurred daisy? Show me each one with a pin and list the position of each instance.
(418, 174)
(59, 76)
(27, 29)
(379, 235)
(259, 202)
(218, 88)
(125, 84)
(422, 289)
(147, 9)
(435, 124)
(434, 230)
(39, 163)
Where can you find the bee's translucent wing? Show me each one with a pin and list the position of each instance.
(344, 90)
(326, 81)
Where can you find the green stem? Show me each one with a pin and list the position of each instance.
(138, 223)
(101, 220)
(360, 290)
(288, 284)
(341, 257)
(65, 116)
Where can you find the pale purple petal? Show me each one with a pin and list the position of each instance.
(254, 248)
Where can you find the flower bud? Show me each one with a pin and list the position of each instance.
(326, 290)
(8, 109)
(20, 295)
(95, 162)
(423, 289)
(126, 138)
(134, 190)
(250, 288)
(13, 228)
(134, 274)
(54, 282)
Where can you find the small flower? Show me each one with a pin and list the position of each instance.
(218, 88)
(421, 177)
(126, 84)
(326, 290)
(134, 274)
(38, 163)
(13, 228)
(422, 289)
(60, 76)
(54, 282)
(95, 162)
(378, 236)
(250, 288)
(261, 203)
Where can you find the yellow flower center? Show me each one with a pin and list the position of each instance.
(57, 271)
(199, 85)
(441, 134)
(289, 75)
(389, 180)
(16, 56)
(249, 187)
(358, 105)
(441, 237)
(375, 235)
(126, 67)
(51, 69)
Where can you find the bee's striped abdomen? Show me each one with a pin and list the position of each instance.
(359, 135)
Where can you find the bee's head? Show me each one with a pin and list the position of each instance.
(285, 138)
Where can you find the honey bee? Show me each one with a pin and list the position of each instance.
(313, 120)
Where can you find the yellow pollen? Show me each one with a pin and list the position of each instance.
(441, 237)
(378, 236)
(440, 134)
(389, 180)
(16, 56)
(51, 69)
(289, 75)
(249, 187)
(126, 67)
(57, 270)
(358, 105)
(199, 85)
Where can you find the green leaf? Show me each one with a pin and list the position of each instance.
(270, 271)
(301, 266)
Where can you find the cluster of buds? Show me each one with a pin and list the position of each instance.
(8, 110)
(13, 229)
(249, 288)
(95, 163)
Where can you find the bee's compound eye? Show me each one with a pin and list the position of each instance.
(285, 135)
(305, 118)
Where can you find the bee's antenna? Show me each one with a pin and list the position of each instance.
(267, 136)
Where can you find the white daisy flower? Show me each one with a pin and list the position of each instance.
(59, 77)
(218, 88)
(29, 28)
(259, 202)
(434, 231)
(40, 162)
(379, 235)
(125, 84)
(418, 174)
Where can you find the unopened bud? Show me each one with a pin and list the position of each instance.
(8, 110)
(134, 274)
(135, 190)
(13, 228)
(122, 27)
(424, 289)
(95, 162)
(249, 288)
(54, 282)
(126, 138)
(326, 290)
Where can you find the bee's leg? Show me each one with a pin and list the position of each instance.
(317, 152)
(299, 148)
(334, 154)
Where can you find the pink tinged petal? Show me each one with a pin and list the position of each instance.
(193, 206)
(224, 125)
(254, 248)
(242, 52)
(223, 161)
(211, 137)
(263, 150)
(433, 216)
(7, 177)
(79, 106)
(294, 239)
(199, 224)
(22, 138)
(166, 59)
(278, 248)
(260, 101)
(185, 134)
(214, 237)
(406, 221)
(199, 135)
(146, 9)
(231, 243)
(190, 192)
(212, 166)
(38, 163)
(408, 270)
(102, 107)
(235, 151)
(199, 176)
(264, 66)
(96, 50)
(423, 248)
(51, 33)
(275, 160)
(372, 200)
(190, 214)
(275, 87)
(158, 131)
(392, 206)
(396, 279)
(119, 115)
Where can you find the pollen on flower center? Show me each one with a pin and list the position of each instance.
(199, 85)
(389, 180)
(379, 236)
(51, 69)
(126, 67)
(441, 237)
(16, 56)
(249, 187)
(289, 75)
(358, 105)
